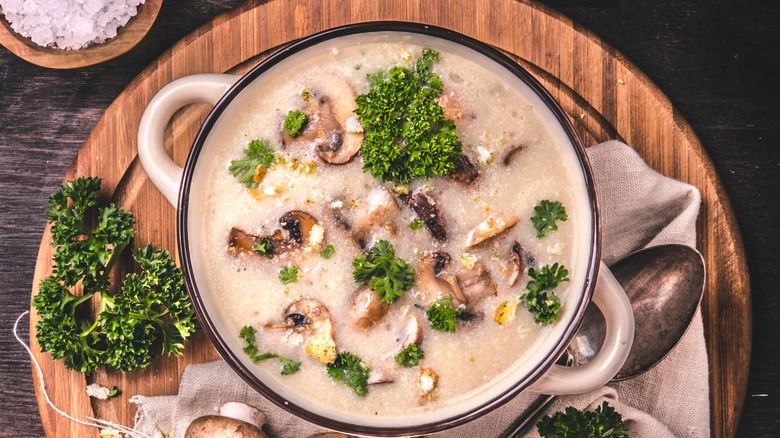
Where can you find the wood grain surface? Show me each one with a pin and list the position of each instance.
(713, 59)
(127, 37)
(604, 94)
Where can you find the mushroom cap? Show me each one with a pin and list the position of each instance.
(491, 227)
(366, 308)
(216, 426)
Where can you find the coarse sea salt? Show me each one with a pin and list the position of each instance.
(68, 24)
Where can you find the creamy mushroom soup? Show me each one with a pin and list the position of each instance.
(389, 298)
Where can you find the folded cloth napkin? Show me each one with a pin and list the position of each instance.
(640, 208)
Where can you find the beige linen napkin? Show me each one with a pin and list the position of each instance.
(639, 208)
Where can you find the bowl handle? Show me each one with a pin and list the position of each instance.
(616, 308)
(164, 173)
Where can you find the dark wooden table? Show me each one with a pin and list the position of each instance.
(717, 60)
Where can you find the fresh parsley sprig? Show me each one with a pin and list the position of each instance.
(574, 423)
(406, 135)
(295, 122)
(288, 274)
(540, 298)
(288, 366)
(410, 356)
(258, 157)
(388, 276)
(150, 314)
(546, 215)
(442, 315)
(351, 370)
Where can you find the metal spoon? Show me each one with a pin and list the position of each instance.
(664, 284)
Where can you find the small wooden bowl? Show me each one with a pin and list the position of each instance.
(127, 37)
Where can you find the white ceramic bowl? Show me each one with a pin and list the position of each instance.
(182, 187)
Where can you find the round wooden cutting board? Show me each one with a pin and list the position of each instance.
(605, 95)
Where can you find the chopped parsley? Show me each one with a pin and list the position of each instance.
(603, 422)
(264, 247)
(540, 298)
(410, 356)
(288, 274)
(406, 135)
(546, 217)
(328, 252)
(288, 366)
(258, 157)
(388, 276)
(295, 122)
(416, 224)
(442, 315)
(351, 370)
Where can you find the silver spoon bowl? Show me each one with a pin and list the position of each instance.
(664, 285)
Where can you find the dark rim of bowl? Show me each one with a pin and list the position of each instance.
(368, 27)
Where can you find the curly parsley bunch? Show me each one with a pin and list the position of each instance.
(151, 314)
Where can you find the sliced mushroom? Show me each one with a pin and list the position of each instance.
(312, 319)
(516, 263)
(380, 375)
(426, 208)
(308, 315)
(377, 209)
(240, 241)
(466, 172)
(235, 420)
(301, 231)
(476, 284)
(330, 128)
(450, 105)
(366, 308)
(413, 332)
(428, 281)
(491, 227)
(510, 156)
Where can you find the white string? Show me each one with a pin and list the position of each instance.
(96, 421)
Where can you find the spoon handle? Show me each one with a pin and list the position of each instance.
(526, 421)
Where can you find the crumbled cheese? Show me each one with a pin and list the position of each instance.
(506, 311)
(555, 249)
(468, 260)
(337, 205)
(485, 155)
(322, 347)
(305, 94)
(316, 236)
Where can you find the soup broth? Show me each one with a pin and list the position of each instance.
(519, 164)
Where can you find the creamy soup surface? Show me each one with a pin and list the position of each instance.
(519, 164)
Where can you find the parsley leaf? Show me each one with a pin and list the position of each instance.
(388, 276)
(295, 122)
(540, 298)
(288, 274)
(264, 247)
(442, 315)
(546, 216)
(406, 135)
(328, 252)
(288, 366)
(351, 370)
(410, 356)
(258, 157)
(416, 224)
(573, 423)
